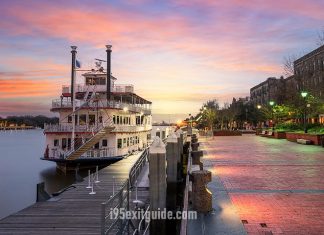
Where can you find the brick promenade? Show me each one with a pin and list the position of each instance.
(276, 187)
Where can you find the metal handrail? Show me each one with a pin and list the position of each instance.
(137, 167)
(184, 221)
(120, 195)
(94, 131)
(138, 229)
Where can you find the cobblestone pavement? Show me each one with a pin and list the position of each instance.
(276, 186)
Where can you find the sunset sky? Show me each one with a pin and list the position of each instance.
(177, 53)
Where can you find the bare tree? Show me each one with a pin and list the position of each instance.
(288, 65)
(320, 38)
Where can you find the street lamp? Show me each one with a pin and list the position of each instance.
(259, 106)
(304, 95)
(272, 104)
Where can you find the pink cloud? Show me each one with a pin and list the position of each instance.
(131, 31)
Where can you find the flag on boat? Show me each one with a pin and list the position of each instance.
(77, 64)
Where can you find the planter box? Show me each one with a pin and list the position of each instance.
(316, 139)
(227, 133)
(280, 135)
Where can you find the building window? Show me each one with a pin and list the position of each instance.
(56, 143)
(114, 119)
(119, 143)
(104, 143)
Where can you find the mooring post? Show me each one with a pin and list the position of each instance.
(41, 194)
(172, 156)
(158, 184)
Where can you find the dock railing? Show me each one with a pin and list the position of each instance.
(184, 221)
(111, 221)
(137, 168)
(111, 209)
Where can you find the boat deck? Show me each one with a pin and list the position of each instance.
(75, 211)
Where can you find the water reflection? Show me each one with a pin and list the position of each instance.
(55, 179)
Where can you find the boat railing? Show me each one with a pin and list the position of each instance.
(68, 127)
(58, 103)
(121, 88)
(79, 142)
(58, 152)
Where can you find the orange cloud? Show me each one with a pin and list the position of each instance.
(18, 88)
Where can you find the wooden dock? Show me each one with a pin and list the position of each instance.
(75, 211)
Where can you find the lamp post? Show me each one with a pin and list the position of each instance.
(272, 104)
(304, 95)
(258, 115)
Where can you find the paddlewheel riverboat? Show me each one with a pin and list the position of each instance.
(100, 121)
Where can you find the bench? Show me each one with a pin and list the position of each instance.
(303, 141)
(270, 133)
(263, 132)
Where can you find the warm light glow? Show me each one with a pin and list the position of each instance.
(125, 109)
(304, 94)
(259, 106)
(179, 122)
(271, 103)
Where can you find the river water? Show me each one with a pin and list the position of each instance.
(21, 169)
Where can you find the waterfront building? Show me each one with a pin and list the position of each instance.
(272, 89)
(309, 73)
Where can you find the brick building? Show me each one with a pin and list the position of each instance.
(309, 73)
(272, 89)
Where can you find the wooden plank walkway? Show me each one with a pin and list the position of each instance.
(74, 211)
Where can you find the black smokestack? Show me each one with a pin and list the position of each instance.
(108, 72)
(73, 70)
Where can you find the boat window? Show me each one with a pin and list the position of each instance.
(96, 146)
(104, 143)
(56, 142)
(69, 143)
(76, 119)
(92, 119)
(163, 135)
(119, 143)
(82, 119)
(64, 143)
